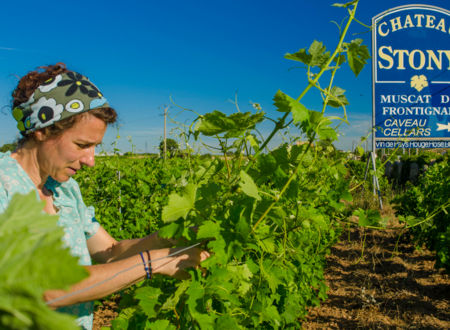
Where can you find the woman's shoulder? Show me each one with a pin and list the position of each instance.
(10, 171)
(6, 160)
(12, 180)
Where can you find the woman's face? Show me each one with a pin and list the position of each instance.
(62, 156)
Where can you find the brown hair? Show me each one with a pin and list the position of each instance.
(33, 80)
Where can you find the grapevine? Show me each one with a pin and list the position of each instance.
(268, 217)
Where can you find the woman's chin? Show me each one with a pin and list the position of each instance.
(61, 177)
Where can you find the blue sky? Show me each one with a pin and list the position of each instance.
(200, 53)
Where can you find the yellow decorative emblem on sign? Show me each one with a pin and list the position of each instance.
(419, 82)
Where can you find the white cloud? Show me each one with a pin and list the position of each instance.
(7, 48)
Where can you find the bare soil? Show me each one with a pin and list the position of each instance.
(385, 286)
(384, 283)
(105, 314)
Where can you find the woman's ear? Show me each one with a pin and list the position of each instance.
(40, 135)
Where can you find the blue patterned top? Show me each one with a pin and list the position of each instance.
(77, 220)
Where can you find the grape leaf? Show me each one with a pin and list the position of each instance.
(226, 322)
(32, 259)
(179, 206)
(173, 229)
(369, 218)
(357, 55)
(316, 57)
(270, 314)
(172, 301)
(337, 98)
(360, 151)
(344, 5)
(148, 300)
(248, 186)
(209, 229)
(214, 123)
(196, 307)
(285, 103)
(271, 274)
(242, 275)
(234, 125)
(347, 196)
(161, 325)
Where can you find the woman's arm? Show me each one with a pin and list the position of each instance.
(87, 289)
(116, 257)
(104, 249)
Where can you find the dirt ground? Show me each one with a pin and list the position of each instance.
(375, 287)
(385, 289)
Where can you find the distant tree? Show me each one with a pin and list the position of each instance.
(171, 147)
(8, 147)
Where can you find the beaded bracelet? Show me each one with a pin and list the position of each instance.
(145, 264)
(149, 263)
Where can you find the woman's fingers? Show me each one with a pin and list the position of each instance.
(190, 259)
(204, 255)
(176, 265)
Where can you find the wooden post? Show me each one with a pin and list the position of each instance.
(165, 139)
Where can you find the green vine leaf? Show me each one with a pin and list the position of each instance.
(242, 276)
(148, 300)
(285, 103)
(172, 301)
(371, 218)
(179, 206)
(337, 98)
(360, 151)
(209, 229)
(410, 220)
(326, 132)
(248, 186)
(195, 304)
(357, 55)
(344, 5)
(234, 125)
(32, 259)
(214, 123)
(340, 59)
(226, 322)
(161, 325)
(316, 55)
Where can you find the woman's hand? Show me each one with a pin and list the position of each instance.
(175, 266)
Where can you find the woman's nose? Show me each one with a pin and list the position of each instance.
(88, 158)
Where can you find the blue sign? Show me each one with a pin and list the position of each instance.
(411, 77)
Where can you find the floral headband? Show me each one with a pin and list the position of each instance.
(56, 99)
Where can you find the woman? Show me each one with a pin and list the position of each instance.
(62, 116)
